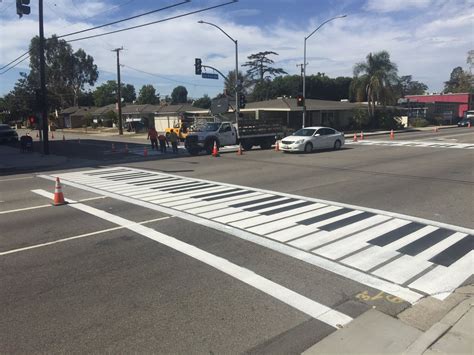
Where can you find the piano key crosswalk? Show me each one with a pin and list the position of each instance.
(420, 144)
(424, 256)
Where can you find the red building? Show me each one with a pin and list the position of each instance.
(444, 103)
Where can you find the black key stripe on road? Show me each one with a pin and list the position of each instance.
(127, 177)
(323, 217)
(105, 171)
(425, 242)
(216, 193)
(455, 252)
(176, 186)
(396, 234)
(114, 176)
(226, 196)
(173, 190)
(287, 208)
(253, 202)
(346, 221)
(270, 204)
(154, 181)
(193, 189)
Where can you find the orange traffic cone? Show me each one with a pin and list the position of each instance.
(113, 148)
(215, 151)
(64, 138)
(239, 151)
(52, 135)
(277, 146)
(355, 137)
(58, 194)
(126, 148)
(469, 124)
(37, 134)
(392, 135)
(145, 152)
(361, 135)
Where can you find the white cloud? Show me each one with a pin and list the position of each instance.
(425, 45)
(396, 5)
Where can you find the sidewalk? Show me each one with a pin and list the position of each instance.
(12, 159)
(375, 332)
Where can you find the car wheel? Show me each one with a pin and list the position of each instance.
(337, 145)
(247, 145)
(308, 148)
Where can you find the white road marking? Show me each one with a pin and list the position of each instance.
(439, 247)
(448, 278)
(369, 258)
(421, 144)
(402, 269)
(49, 205)
(358, 241)
(244, 233)
(303, 304)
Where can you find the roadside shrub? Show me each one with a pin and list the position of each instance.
(420, 122)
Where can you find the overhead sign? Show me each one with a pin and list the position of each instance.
(209, 76)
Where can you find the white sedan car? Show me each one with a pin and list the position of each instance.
(310, 138)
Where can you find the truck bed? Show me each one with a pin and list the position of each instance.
(249, 128)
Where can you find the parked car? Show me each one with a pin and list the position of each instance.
(465, 122)
(7, 134)
(310, 138)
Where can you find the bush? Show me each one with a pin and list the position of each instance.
(420, 122)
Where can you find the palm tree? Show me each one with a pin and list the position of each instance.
(374, 80)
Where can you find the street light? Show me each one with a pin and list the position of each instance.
(304, 62)
(237, 110)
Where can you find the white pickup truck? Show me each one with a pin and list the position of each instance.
(250, 133)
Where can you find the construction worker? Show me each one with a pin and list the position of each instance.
(153, 137)
(173, 138)
(163, 142)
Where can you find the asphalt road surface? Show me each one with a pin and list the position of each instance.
(260, 253)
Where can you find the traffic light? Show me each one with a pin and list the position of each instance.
(198, 66)
(300, 100)
(242, 101)
(22, 7)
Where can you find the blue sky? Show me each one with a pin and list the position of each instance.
(425, 38)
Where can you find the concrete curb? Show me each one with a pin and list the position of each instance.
(433, 334)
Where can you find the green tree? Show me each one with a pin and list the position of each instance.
(260, 66)
(203, 102)
(128, 93)
(459, 81)
(374, 80)
(67, 72)
(106, 93)
(229, 84)
(179, 95)
(407, 86)
(147, 95)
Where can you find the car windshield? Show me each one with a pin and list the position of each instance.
(211, 127)
(305, 132)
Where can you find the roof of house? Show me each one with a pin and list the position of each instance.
(290, 104)
(177, 108)
(101, 110)
(139, 109)
(69, 110)
(83, 110)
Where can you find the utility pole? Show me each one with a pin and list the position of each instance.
(119, 96)
(43, 94)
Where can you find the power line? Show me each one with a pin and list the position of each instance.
(154, 22)
(165, 78)
(128, 28)
(126, 19)
(92, 28)
(3, 72)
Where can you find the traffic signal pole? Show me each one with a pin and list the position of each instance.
(43, 100)
(119, 96)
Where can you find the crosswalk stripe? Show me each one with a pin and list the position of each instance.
(314, 240)
(442, 245)
(402, 269)
(387, 245)
(369, 258)
(441, 281)
(358, 241)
